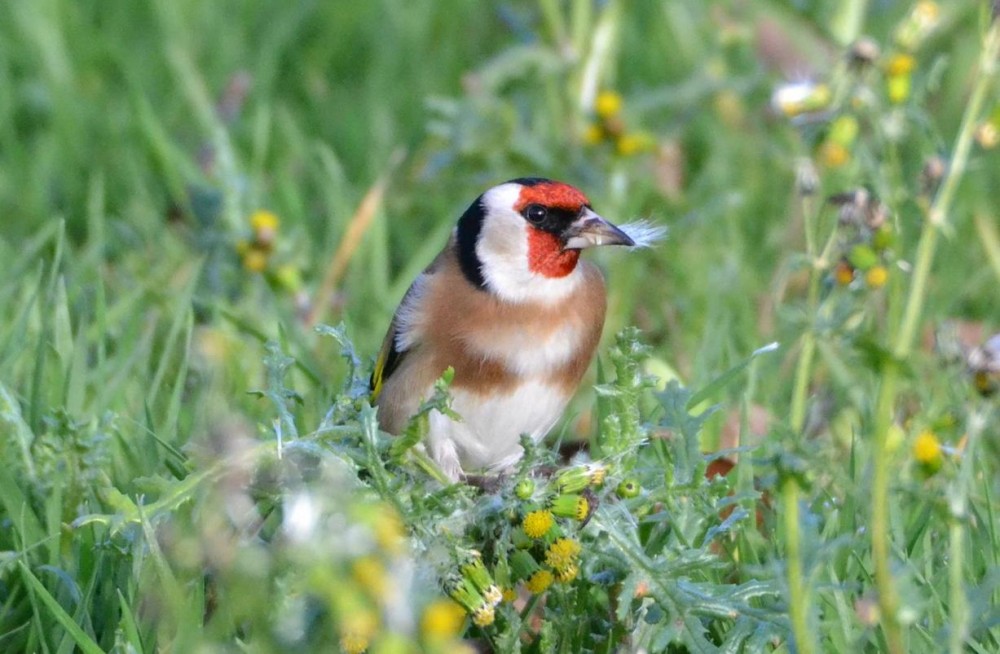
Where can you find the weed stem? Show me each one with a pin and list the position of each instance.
(937, 221)
(798, 601)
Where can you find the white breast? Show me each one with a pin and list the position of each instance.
(488, 436)
(527, 353)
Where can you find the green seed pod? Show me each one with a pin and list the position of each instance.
(862, 257)
(628, 488)
(883, 239)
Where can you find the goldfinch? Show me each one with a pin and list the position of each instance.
(509, 305)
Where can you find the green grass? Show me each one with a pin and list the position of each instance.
(186, 464)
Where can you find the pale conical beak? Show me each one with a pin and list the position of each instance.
(590, 230)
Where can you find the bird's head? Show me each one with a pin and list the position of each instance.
(521, 240)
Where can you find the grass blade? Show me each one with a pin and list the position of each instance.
(83, 641)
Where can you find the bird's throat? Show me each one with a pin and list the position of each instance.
(546, 255)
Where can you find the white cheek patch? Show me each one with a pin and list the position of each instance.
(503, 253)
(502, 250)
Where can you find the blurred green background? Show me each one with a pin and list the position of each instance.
(140, 142)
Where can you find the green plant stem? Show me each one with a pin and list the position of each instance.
(803, 368)
(937, 218)
(798, 597)
(798, 600)
(800, 387)
(958, 500)
(846, 24)
(888, 600)
(937, 221)
(957, 602)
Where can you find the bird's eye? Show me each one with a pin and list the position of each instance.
(535, 213)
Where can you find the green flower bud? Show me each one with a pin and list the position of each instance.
(628, 488)
(524, 489)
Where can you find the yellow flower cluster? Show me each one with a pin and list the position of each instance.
(539, 582)
(609, 127)
(353, 643)
(357, 628)
(256, 252)
(360, 590)
(909, 35)
(538, 523)
(899, 77)
(877, 276)
(927, 451)
(474, 589)
(441, 620)
(559, 563)
(835, 150)
(871, 239)
(563, 553)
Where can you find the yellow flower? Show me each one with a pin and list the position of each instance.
(632, 143)
(442, 619)
(598, 472)
(388, 529)
(353, 643)
(898, 88)
(843, 273)
(493, 595)
(509, 595)
(538, 523)
(608, 104)
(255, 260)
(833, 154)
(567, 574)
(265, 228)
(484, 615)
(263, 220)
(370, 574)
(356, 631)
(927, 449)
(900, 64)
(563, 553)
(539, 582)
(876, 276)
(593, 134)
(476, 573)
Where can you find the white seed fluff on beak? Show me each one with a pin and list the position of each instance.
(644, 233)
